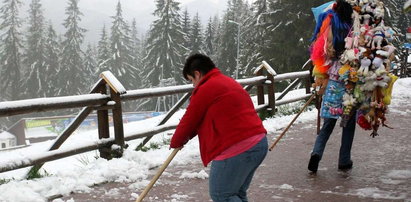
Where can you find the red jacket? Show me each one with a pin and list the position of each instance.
(221, 113)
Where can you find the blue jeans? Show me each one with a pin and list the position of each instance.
(346, 139)
(230, 178)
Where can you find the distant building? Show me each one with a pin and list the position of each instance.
(7, 140)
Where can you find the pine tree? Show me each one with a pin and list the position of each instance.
(136, 50)
(10, 46)
(196, 38)
(255, 37)
(90, 66)
(209, 37)
(186, 24)
(121, 63)
(165, 50)
(217, 33)
(103, 49)
(227, 54)
(36, 82)
(70, 77)
(52, 52)
(164, 44)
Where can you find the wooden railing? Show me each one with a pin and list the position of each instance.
(102, 102)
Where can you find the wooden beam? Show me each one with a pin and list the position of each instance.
(260, 90)
(271, 95)
(118, 121)
(166, 118)
(289, 87)
(103, 126)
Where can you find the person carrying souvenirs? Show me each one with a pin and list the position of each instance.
(328, 45)
(230, 133)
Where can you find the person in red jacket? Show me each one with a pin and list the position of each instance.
(230, 133)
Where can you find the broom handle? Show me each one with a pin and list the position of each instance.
(155, 178)
(291, 123)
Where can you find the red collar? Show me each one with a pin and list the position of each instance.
(209, 74)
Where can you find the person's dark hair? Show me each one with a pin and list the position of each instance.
(344, 11)
(197, 62)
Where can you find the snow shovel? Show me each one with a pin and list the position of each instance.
(160, 171)
(291, 123)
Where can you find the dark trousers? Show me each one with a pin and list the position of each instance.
(346, 139)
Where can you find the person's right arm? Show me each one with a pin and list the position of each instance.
(189, 124)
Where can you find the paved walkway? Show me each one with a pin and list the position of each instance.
(382, 170)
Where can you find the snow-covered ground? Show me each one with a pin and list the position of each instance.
(80, 172)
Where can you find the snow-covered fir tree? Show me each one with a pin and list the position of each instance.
(136, 50)
(186, 30)
(209, 37)
(216, 39)
(90, 66)
(196, 38)
(290, 25)
(103, 49)
(255, 38)
(399, 21)
(36, 81)
(121, 62)
(10, 46)
(227, 53)
(164, 45)
(70, 80)
(165, 50)
(51, 63)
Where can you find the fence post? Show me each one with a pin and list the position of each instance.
(116, 89)
(308, 84)
(271, 95)
(118, 124)
(103, 126)
(260, 89)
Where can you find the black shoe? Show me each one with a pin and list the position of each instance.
(345, 167)
(313, 164)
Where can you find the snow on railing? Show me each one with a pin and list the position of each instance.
(9, 108)
(113, 82)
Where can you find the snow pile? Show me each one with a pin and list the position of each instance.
(177, 197)
(399, 174)
(375, 193)
(286, 186)
(190, 175)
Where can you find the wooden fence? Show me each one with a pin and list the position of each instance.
(100, 100)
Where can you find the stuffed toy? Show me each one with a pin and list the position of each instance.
(350, 55)
(365, 62)
(369, 82)
(352, 2)
(356, 31)
(389, 49)
(362, 121)
(378, 65)
(377, 38)
(367, 33)
(379, 10)
(363, 2)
